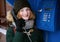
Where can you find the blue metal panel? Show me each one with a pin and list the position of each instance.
(34, 4)
(11, 2)
(52, 36)
(46, 15)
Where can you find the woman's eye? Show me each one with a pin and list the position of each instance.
(27, 9)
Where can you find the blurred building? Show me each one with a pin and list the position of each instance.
(4, 8)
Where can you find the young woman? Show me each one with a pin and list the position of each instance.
(24, 29)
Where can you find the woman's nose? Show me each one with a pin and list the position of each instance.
(25, 12)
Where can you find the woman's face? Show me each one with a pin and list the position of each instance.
(25, 13)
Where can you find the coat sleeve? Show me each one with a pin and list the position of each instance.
(9, 34)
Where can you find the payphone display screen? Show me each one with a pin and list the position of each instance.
(47, 9)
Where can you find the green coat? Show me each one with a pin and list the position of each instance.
(36, 36)
(10, 34)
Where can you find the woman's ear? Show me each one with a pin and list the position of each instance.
(9, 17)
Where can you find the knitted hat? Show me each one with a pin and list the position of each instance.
(19, 4)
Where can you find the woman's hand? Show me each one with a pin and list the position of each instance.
(20, 23)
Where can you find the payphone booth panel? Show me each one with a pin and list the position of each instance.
(46, 19)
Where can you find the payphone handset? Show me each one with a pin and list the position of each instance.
(13, 14)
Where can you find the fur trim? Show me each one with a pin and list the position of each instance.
(9, 17)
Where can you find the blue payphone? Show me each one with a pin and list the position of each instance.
(47, 15)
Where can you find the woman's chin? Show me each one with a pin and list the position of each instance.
(25, 18)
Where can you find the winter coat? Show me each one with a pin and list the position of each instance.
(11, 36)
(15, 36)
